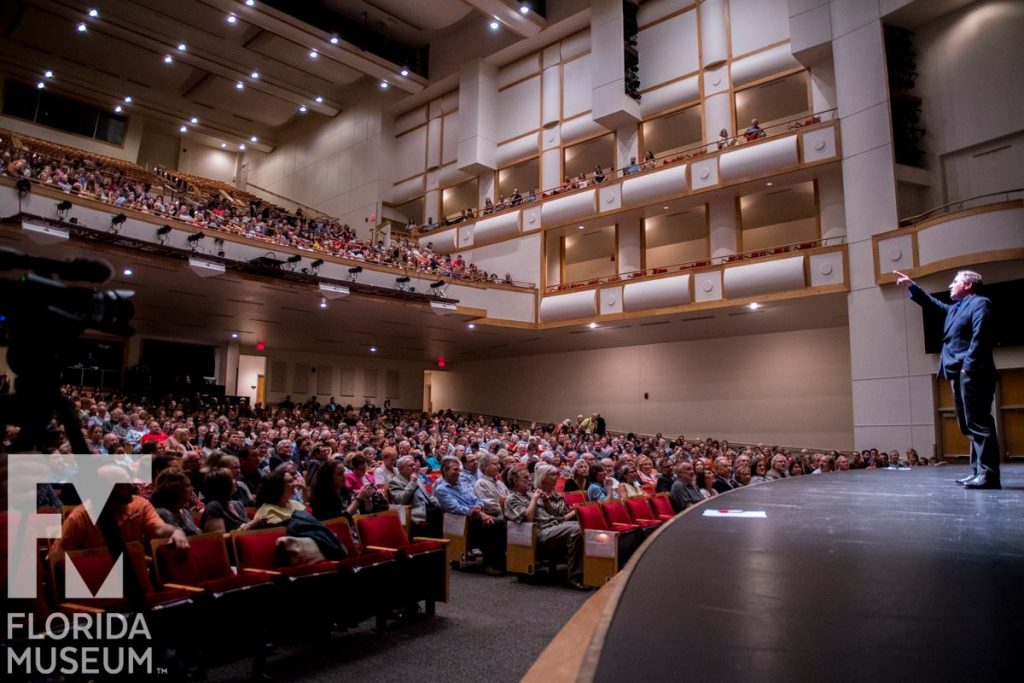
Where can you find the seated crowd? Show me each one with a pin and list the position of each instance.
(211, 205)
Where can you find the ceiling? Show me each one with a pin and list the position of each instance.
(130, 48)
(171, 302)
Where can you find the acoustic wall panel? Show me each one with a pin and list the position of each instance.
(325, 380)
(576, 86)
(671, 95)
(410, 120)
(757, 23)
(651, 187)
(552, 92)
(519, 109)
(758, 159)
(411, 153)
(348, 382)
(518, 70)
(988, 231)
(565, 209)
(496, 227)
(434, 143)
(392, 384)
(661, 293)
(450, 138)
(714, 34)
(763, 64)
(652, 10)
(370, 382)
(516, 149)
(826, 269)
(766, 277)
(579, 128)
(818, 144)
(568, 306)
(669, 49)
(575, 45)
(300, 380)
(279, 376)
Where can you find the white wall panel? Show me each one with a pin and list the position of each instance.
(520, 258)
(668, 49)
(434, 143)
(671, 95)
(409, 120)
(716, 80)
(576, 87)
(434, 109)
(531, 217)
(450, 102)
(714, 33)
(610, 300)
(717, 115)
(819, 144)
(656, 9)
(516, 149)
(707, 286)
(575, 45)
(405, 191)
(565, 209)
(551, 56)
(763, 64)
(826, 269)
(444, 242)
(971, 234)
(411, 153)
(450, 174)
(610, 197)
(896, 253)
(552, 95)
(651, 187)
(450, 138)
(550, 169)
(496, 227)
(579, 128)
(661, 293)
(519, 109)
(758, 159)
(466, 236)
(551, 137)
(704, 173)
(764, 278)
(518, 70)
(756, 23)
(568, 306)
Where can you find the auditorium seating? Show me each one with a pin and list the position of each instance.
(607, 545)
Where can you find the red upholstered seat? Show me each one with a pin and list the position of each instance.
(616, 514)
(640, 510)
(372, 575)
(382, 530)
(257, 549)
(424, 567)
(574, 498)
(663, 506)
(591, 517)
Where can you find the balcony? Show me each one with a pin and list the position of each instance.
(786, 147)
(982, 229)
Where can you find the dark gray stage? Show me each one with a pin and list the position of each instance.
(869, 576)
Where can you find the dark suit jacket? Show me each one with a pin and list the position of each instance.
(683, 496)
(967, 335)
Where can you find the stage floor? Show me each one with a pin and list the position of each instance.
(864, 576)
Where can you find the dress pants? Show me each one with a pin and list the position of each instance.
(972, 398)
(489, 539)
(570, 535)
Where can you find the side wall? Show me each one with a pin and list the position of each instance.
(787, 388)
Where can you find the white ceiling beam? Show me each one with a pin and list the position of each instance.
(524, 25)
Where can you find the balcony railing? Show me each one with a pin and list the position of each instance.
(970, 203)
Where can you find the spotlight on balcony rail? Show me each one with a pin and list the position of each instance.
(353, 273)
(116, 222)
(402, 282)
(162, 233)
(195, 237)
(62, 210)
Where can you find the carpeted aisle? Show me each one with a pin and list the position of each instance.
(492, 630)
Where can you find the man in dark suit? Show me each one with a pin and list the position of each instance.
(966, 361)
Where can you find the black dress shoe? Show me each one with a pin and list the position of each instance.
(983, 481)
(964, 480)
(573, 583)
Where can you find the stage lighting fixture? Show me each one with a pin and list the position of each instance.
(354, 270)
(402, 282)
(162, 231)
(195, 237)
(62, 209)
(317, 263)
(23, 186)
(116, 222)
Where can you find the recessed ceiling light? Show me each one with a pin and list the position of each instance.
(168, 59)
(183, 129)
(383, 85)
(254, 75)
(524, 9)
(404, 72)
(128, 100)
(117, 109)
(40, 85)
(252, 138)
(48, 74)
(127, 272)
(335, 40)
(471, 326)
(231, 18)
(82, 27)
(754, 306)
(182, 47)
(250, 3)
(323, 303)
(302, 109)
(592, 326)
(313, 54)
(239, 85)
(579, 227)
(234, 335)
(665, 208)
(241, 147)
(769, 183)
(373, 349)
(494, 25)
(319, 100)
(94, 13)
(194, 120)
(223, 145)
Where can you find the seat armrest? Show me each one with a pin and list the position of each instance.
(183, 587)
(421, 539)
(380, 547)
(74, 606)
(253, 570)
